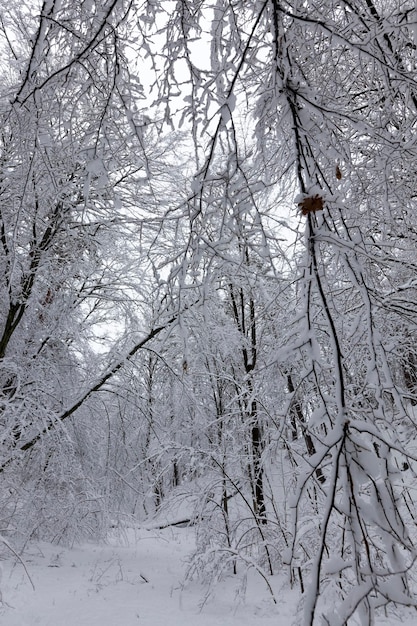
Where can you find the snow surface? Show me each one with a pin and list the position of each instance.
(137, 580)
(91, 585)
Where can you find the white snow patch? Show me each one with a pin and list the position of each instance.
(135, 581)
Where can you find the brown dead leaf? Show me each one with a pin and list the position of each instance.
(311, 204)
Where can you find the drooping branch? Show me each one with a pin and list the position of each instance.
(97, 386)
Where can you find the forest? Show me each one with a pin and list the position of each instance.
(208, 287)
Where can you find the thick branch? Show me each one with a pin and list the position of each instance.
(96, 387)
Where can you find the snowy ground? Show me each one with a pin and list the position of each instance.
(137, 581)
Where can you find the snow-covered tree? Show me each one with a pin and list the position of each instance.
(329, 90)
(76, 251)
(297, 121)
